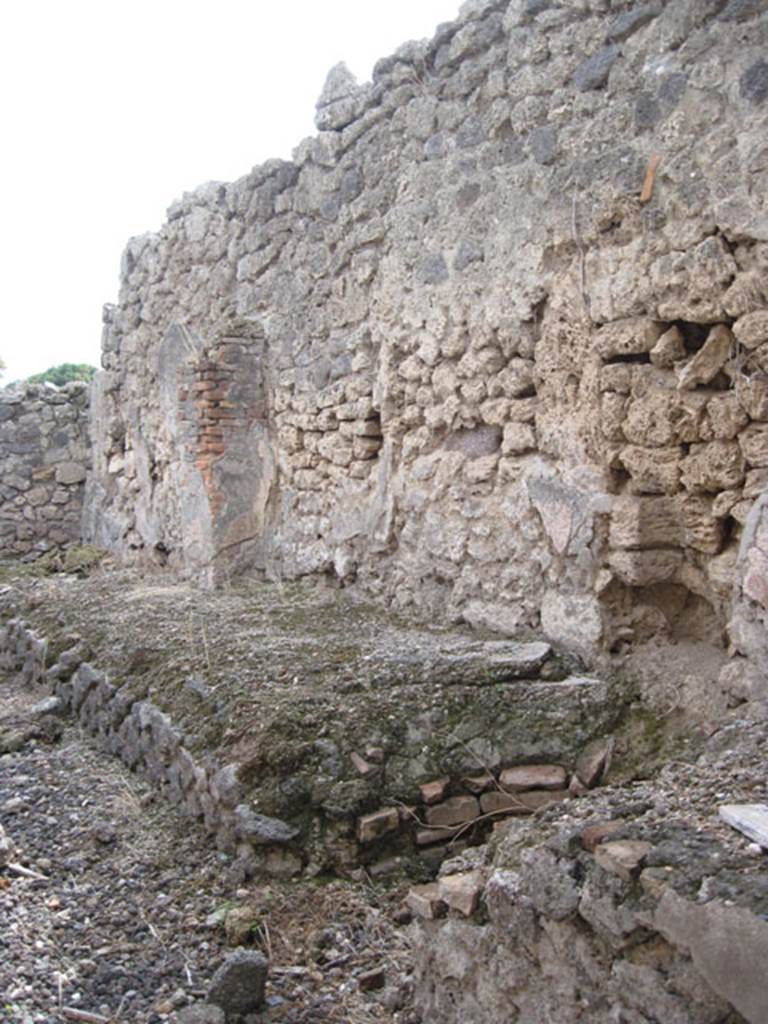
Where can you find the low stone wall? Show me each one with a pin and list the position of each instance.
(44, 454)
(365, 818)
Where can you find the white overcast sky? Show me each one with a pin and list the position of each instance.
(112, 110)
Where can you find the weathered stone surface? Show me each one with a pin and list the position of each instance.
(379, 823)
(644, 568)
(622, 857)
(457, 810)
(201, 1013)
(728, 945)
(751, 330)
(709, 360)
(434, 792)
(533, 776)
(591, 837)
(751, 819)
(462, 892)
(496, 802)
(238, 985)
(260, 829)
(595, 760)
(426, 901)
(362, 390)
(43, 460)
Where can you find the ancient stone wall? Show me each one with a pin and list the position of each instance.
(492, 345)
(43, 460)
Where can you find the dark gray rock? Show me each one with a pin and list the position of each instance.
(238, 985)
(201, 1013)
(625, 24)
(753, 84)
(593, 73)
(260, 829)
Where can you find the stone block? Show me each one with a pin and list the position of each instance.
(622, 857)
(652, 470)
(434, 792)
(238, 985)
(462, 892)
(751, 330)
(712, 466)
(523, 803)
(669, 349)
(646, 567)
(425, 901)
(457, 810)
(591, 837)
(705, 365)
(373, 826)
(533, 776)
(754, 445)
(665, 522)
(752, 395)
(632, 336)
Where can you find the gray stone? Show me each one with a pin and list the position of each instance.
(753, 84)
(593, 72)
(261, 830)
(201, 1013)
(238, 985)
(628, 22)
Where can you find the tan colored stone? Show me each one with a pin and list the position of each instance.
(434, 792)
(591, 837)
(755, 482)
(616, 377)
(612, 412)
(709, 360)
(457, 810)
(623, 857)
(652, 470)
(594, 760)
(518, 438)
(644, 568)
(657, 417)
(533, 776)
(726, 416)
(462, 892)
(752, 395)
(522, 410)
(754, 444)
(425, 901)
(680, 521)
(374, 826)
(632, 336)
(752, 330)
(669, 349)
(712, 466)
(724, 502)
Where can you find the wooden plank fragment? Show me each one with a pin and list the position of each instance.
(751, 819)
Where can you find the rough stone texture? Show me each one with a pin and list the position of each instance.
(238, 985)
(438, 351)
(44, 454)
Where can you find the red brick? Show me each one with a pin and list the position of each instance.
(434, 792)
(534, 776)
